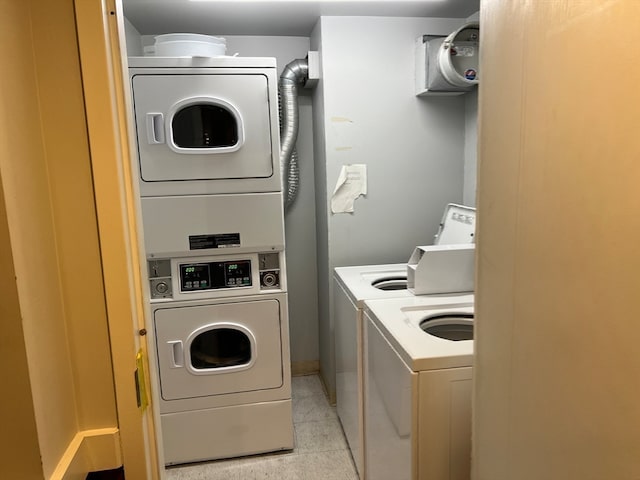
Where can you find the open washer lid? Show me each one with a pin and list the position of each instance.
(458, 225)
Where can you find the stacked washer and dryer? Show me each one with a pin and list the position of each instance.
(382, 350)
(213, 224)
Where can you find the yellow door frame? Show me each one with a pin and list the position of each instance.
(100, 30)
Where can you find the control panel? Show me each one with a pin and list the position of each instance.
(214, 275)
(191, 278)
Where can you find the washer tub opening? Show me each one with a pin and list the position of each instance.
(391, 283)
(449, 326)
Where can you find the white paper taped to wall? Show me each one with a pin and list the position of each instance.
(352, 182)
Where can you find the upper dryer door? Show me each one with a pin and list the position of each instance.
(205, 133)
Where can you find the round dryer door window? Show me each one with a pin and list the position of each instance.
(223, 347)
(205, 125)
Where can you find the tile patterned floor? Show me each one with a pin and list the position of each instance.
(320, 449)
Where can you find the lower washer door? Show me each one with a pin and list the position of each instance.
(219, 349)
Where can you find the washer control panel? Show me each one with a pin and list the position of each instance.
(214, 275)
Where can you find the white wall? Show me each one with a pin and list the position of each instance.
(300, 229)
(471, 138)
(325, 357)
(470, 147)
(413, 148)
(133, 39)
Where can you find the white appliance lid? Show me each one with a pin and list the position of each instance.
(458, 225)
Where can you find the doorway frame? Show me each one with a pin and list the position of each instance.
(100, 30)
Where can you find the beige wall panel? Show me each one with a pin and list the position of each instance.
(24, 175)
(50, 212)
(73, 209)
(557, 368)
(499, 210)
(19, 451)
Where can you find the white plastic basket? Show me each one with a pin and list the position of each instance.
(189, 45)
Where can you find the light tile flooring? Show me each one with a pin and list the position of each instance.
(320, 449)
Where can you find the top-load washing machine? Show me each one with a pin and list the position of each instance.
(352, 286)
(418, 378)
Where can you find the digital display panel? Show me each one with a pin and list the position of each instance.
(215, 275)
(195, 277)
(238, 274)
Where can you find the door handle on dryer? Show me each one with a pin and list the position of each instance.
(177, 353)
(155, 128)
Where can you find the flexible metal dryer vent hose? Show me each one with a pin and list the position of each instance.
(294, 74)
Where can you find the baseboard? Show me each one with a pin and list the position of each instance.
(89, 451)
(308, 367)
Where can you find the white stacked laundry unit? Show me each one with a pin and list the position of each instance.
(212, 214)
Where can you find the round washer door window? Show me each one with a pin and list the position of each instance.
(221, 348)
